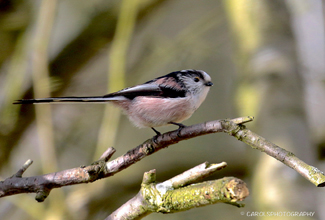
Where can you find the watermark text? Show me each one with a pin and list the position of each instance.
(278, 214)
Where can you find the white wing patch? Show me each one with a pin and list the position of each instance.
(140, 88)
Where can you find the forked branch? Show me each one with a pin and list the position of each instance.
(179, 193)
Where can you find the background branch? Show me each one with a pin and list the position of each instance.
(165, 198)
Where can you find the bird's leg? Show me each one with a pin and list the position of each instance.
(180, 126)
(156, 136)
(157, 132)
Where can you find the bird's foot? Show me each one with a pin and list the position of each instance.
(180, 127)
(156, 136)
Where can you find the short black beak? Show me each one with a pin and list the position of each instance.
(209, 84)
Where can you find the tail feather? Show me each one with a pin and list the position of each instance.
(98, 99)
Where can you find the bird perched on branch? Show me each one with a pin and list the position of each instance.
(168, 99)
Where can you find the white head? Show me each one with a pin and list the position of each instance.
(198, 84)
(195, 80)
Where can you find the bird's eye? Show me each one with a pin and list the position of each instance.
(196, 79)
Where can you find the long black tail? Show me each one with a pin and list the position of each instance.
(99, 99)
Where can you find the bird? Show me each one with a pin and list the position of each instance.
(168, 99)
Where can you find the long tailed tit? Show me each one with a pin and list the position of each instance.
(168, 99)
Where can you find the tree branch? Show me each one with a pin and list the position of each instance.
(170, 196)
(43, 184)
(311, 173)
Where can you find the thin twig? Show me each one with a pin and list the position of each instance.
(195, 174)
(107, 154)
(313, 174)
(23, 168)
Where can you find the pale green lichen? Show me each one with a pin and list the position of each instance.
(163, 198)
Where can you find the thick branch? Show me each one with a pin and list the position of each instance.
(164, 198)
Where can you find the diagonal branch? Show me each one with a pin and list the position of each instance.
(42, 185)
(311, 173)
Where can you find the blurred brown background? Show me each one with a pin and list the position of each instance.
(266, 59)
